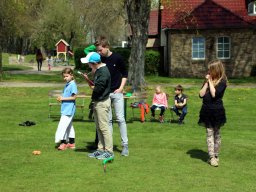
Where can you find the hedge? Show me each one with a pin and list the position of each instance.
(152, 59)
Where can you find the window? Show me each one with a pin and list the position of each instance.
(198, 48)
(252, 8)
(223, 47)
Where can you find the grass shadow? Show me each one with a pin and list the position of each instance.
(16, 68)
(198, 154)
(91, 146)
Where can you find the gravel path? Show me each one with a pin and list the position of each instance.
(60, 68)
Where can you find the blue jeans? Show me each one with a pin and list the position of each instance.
(183, 112)
(117, 101)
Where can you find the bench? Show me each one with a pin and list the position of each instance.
(53, 94)
(139, 102)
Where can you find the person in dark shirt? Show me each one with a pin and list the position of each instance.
(180, 103)
(212, 114)
(118, 72)
(101, 106)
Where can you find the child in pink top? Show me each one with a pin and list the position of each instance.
(159, 101)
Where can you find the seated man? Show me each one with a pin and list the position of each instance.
(180, 103)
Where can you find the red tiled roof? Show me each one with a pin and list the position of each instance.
(153, 22)
(202, 14)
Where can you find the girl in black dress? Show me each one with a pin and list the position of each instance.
(212, 114)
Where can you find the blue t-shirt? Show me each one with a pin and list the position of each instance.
(69, 107)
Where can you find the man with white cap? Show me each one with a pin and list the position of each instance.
(102, 105)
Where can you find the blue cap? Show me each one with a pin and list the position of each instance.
(92, 57)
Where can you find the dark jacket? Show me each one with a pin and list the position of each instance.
(102, 82)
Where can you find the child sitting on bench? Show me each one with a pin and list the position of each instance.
(159, 101)
(180, 103)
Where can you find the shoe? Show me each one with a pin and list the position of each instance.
(213, 162)
(62, 147)
(217, 159)
(125, 151)
(180, 122)
(71, 146)
(161, 119)
(95, 154)
(105, 155)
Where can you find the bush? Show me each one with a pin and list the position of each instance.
(152, 59)
(78, 54)
(152, 62)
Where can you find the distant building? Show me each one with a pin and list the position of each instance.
(194, 32)
(62, 47)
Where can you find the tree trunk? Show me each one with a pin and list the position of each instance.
(1, 65)
(138, 17)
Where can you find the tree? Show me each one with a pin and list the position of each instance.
(102, 17)
(8, 10)
(138, 16)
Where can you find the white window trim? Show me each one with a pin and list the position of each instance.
(193, 50)
(228, 48)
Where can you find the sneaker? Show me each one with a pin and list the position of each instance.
(95, 154)
(105, 155)
(71, 146)
(62, 147)
(180, 122)
(125, 151)
(213, 162)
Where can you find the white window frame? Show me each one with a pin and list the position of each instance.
(198, 48)
(223, 48)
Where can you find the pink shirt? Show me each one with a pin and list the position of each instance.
(160, 100)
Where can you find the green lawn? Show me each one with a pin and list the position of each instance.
(163, 157)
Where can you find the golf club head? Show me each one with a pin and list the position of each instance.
(79, 72)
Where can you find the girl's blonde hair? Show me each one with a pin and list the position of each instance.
(68, 71)
(160, 88)
(217, 72)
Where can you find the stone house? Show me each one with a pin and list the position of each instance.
(194, 32)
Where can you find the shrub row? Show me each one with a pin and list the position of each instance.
(152, 59)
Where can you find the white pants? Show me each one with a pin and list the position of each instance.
(65, 129)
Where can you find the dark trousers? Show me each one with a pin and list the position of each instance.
(39, 64)
(153, 108)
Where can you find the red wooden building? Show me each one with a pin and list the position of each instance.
(62, 47)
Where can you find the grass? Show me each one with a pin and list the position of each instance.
(163, 157)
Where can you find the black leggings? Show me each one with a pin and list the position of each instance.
(39, 64)
(153, 108)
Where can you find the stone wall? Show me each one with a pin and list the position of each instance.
(243, 52)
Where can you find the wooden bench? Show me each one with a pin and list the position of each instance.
(53, 94)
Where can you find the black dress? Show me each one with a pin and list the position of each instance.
(212, 113)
